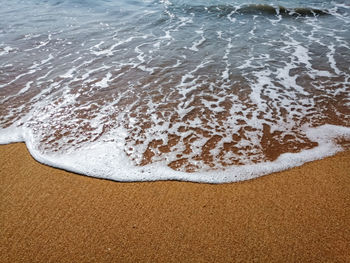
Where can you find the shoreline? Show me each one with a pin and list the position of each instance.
(51, 215)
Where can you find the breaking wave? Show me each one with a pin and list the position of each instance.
(254, 9)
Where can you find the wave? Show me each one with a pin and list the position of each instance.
(152, 95)
(257, 9)
(267, 9)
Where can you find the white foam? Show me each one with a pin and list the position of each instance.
(98, 51)
(232, 19)
(26, 88)
(330, 56)
(11, 134)
(40, 44)
(69, 73)
(18, 77)
(195, 84)
(6, 50)
(37, 65)
(199, 42)
(103, 83)
(105, 159)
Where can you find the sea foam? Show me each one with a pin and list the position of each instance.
(107, 159)
(175, 90)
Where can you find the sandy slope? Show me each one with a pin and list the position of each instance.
(49, 215)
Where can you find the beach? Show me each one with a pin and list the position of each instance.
(183, 112)
(50, 215)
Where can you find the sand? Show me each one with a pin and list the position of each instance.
(50, 215)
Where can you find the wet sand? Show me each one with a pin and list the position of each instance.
(49, 215)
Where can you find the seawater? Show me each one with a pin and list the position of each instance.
(206, 91)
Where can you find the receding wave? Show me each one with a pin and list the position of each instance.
(168, 91)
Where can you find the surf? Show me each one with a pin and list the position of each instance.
(175, 91)
(254, 9)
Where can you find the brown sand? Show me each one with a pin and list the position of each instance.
(49, 215)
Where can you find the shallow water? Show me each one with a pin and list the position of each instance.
(213, 91)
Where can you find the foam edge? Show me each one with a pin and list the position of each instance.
(108, 161)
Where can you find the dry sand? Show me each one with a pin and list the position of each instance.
(49, 215)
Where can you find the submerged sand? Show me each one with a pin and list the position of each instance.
(50, 215)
